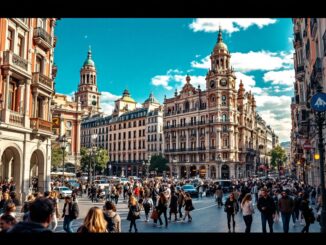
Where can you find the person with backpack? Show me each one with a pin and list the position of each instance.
(112, 218)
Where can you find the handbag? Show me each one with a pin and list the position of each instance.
(154, 214)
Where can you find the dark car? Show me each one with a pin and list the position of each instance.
(226, 185)
(191, 190)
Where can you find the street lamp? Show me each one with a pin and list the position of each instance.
(110, 167)
(317, 103)
(63, 145)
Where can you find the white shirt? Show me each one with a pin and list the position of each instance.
(247, 208)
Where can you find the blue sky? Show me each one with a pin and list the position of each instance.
(147, 55)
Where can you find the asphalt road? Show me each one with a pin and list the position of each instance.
(207, 217)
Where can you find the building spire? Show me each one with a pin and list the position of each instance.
(220, 38)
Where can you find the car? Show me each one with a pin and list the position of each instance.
(63, 191)
(124, 181)
(191, 190)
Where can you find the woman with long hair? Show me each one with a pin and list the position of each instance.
(247, 211)
(231, 208)
(162, 209)
(54, 198)
(94, 222)
(134, 212)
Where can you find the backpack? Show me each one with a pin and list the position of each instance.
(111, 226)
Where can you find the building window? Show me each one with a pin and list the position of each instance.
(39, 64)
(223, 100)
(11, 96)
(20, 45)
(10, 39)
(68, 133)
(224, 118)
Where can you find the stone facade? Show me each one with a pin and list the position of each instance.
(213, 133)
(26, 89)
(309, 64)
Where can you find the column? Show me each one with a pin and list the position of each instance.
(35, 94)
(188, 171)
(187, 139)
(6, 99)
(46, 109)
(208, 171)
(26, 103)
(77, 138)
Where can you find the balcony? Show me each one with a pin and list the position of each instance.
(40, 124)
(15, 61)
(297, 42)
(316, 75)
(299, 72)
(42, 38)
(42, 81)
(16, 118)
(313, 26)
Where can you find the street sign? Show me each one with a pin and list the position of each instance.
(318, 102)
(307, 145)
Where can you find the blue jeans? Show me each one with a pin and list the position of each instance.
(286, 221)
(269, 219)
(67, 223)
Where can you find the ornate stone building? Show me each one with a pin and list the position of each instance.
(310, 72)
(26, 89)
(67, 116)
(212, 132)
(131, 135)
(87, 93)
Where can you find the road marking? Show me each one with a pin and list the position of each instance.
(204, 207)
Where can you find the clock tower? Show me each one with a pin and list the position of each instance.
(87, 93)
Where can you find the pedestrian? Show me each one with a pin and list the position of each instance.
(219, 196)
(162, 209)
(307, 213)
(173, 206)
(54, 198)
(7, 221)
(247, 211)
(188, 207)
(147, 204)
(4, 202)
(94, 222)
(286, 207)
(231, 208)
(112, 218)
(181, 199)
(40, 216)
(134, 213)
(266, 206)
(69, 213)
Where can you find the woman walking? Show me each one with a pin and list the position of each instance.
(134, 212)
(231, 208)
(188, 207)
(307, 212)
(247, 211)
(162, 208)
(94, 222)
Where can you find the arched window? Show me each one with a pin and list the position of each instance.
(224, 118)
(224, 99)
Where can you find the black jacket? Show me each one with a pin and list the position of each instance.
(29, 227)
(268, 203)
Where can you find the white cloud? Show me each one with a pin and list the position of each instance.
(248, 83)
(251, 61)
(276, 112)
(107, 102)
(284, 77)
(162, 80)
(228, 24)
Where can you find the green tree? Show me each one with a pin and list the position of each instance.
(278, 157)
(56, 158)
(159, 162)
(100, 157)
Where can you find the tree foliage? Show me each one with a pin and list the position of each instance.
(278, 156)
(100, 157)
(159, 162)
(56, 158)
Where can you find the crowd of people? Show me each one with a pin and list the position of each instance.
(162, 198)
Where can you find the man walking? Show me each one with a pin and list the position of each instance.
(286, 207)
(266, 206)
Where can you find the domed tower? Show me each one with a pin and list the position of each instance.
(87, 93)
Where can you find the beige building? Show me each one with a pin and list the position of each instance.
(309, 64)
(66, 117)
(26, 89)
(212, 133)
(125, 134)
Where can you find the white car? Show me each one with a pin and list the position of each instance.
(63, 191)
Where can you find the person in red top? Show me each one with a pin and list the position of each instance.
(136, 192)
